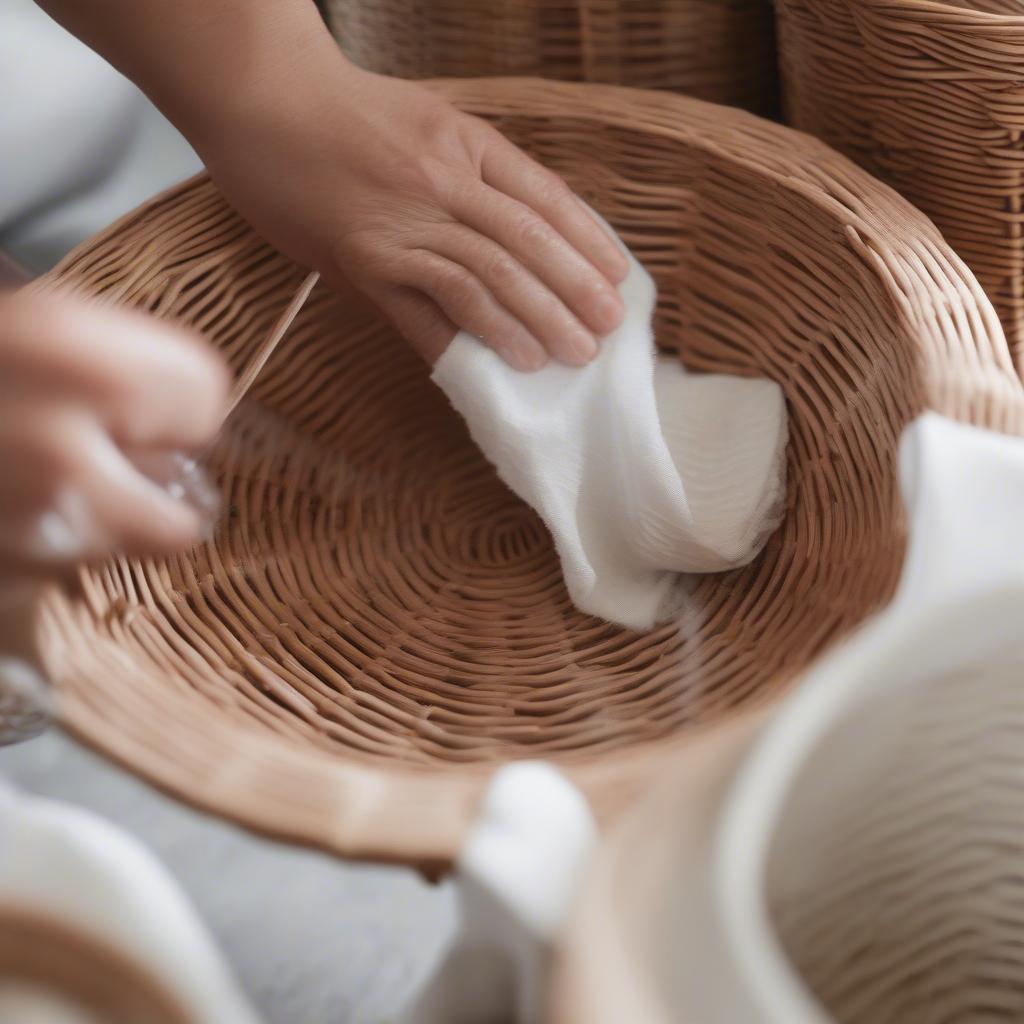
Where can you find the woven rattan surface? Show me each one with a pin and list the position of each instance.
(48, 954)
(929, 96)
(717, 50)
(378, 621)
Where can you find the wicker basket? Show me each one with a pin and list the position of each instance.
(928, 96)
(75, 966)
(717, 50)
(378, 622)
(851, 859)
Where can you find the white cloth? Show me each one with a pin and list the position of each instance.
(71, 863)
(516, 878)
(640, 470)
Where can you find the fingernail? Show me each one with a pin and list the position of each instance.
(584, 348)
(609, 311)
(63, 532)
(526, 359)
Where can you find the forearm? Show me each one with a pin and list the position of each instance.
(207, 63)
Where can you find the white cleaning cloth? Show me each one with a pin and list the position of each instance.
(640, 470)
(516, 880)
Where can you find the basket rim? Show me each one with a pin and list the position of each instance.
(31, 921)
(422, 816)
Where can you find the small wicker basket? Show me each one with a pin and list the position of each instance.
(930, 97)
(60, 959)
(717, 50)
(378, 622)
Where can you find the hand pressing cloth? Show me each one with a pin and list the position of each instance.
(640, 470)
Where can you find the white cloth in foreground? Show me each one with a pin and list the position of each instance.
(70, 863)
(517, 877)
(640, 470)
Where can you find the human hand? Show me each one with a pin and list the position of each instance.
(80, 385)
(432, 213)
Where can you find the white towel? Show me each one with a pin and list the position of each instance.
(640, 470)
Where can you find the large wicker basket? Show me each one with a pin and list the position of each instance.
(378, 622)
(929, 96)
(849, 858)
(47, 954)
(717, 50)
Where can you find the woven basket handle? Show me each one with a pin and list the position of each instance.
(601, 54)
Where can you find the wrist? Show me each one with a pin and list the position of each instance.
(276, 76)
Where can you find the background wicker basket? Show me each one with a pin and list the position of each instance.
(49, 954)
(378, 622)
(929, 96)
(717, 50)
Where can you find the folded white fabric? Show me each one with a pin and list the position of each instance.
(641, 470)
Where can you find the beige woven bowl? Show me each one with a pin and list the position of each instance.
(929, 96)
(717, 50)
(54, 957)
(378, 622)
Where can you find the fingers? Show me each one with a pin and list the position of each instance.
(79, 384)
(509, 170)
(464, 300)
(73, 495)
(522, 294)
(419, 320)
(539, 247)
(150, 383)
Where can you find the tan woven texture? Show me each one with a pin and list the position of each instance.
(891, 880)
(894, 874)
(378, 621)
(55, 957)
(929, 96)
(717, 50)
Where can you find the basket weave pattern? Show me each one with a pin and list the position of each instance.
(900, 911)
(378, 621)
(718, 50)
(930, 97)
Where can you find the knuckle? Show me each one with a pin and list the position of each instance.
(533, 232)
(424, 176)
(501, 268)
(457, 286)
(553, 189)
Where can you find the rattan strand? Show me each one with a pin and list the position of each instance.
(929, 96)
(43, 951)
(717, 50)
(378, 621)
